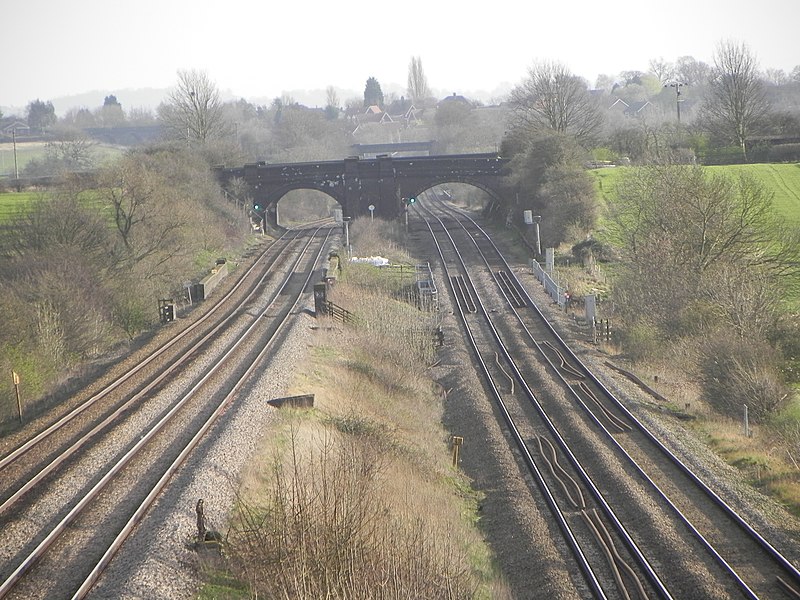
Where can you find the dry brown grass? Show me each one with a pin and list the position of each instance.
(329, 529)
(770, 459)
(764, 460)
(357, 498)
(377, 237)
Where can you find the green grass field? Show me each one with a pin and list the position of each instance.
(24, 154)
(782, 179)
(27, 151)
(13, 203)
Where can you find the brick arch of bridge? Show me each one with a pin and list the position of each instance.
(271, 199)
(413, 188)
(356, 184)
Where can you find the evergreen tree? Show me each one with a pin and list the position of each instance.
(373, 94)
(112, 114)
(41, 114)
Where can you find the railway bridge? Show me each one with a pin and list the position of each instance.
(385, 182)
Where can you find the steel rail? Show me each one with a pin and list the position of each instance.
(145, 505)
(607, 509)
(569, 534)
(44, 434)
(59, 529)
(124, 406)
(781, 560)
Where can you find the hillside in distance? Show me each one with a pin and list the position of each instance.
(150, 98)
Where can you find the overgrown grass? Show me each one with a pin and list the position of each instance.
(357, 498)
(767, 466)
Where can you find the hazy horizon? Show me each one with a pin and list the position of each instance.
(261, 51)
(150, 98)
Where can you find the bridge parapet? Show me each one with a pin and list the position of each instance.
(357, 183)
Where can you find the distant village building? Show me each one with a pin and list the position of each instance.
(375, 115)
(630, 109)
(13, 127)
(455, 98)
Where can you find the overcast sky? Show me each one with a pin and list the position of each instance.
(260, 49)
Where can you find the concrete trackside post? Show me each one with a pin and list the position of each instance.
(320, 299)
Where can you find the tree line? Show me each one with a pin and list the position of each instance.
(552, 125)
(83, 266)
(703, 265)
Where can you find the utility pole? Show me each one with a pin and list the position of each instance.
(346, 221)
(16, 168)
(677, 85)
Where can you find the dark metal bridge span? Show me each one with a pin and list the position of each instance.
(384, 182)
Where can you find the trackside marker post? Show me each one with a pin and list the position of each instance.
(15, 377)
(458, 441)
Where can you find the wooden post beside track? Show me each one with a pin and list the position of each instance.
(201, 521)
(458, 441)
(15, 377)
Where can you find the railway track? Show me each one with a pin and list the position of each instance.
(120, 395)
(625, 504)
(82, 483)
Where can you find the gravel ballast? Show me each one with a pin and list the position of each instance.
(159, 561)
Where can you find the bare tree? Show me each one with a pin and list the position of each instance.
(552, 98)
(633, 77)
(707, 219)
(332, 107)
(194, 109)
(73, 150)
(68, 151)
(776, 76)
(353, 107)
(604, 82)
(691, 71)
(699, 265)
(736, 99)
(418, 89)
(663, 70)
(745, 300)
(146, 221)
